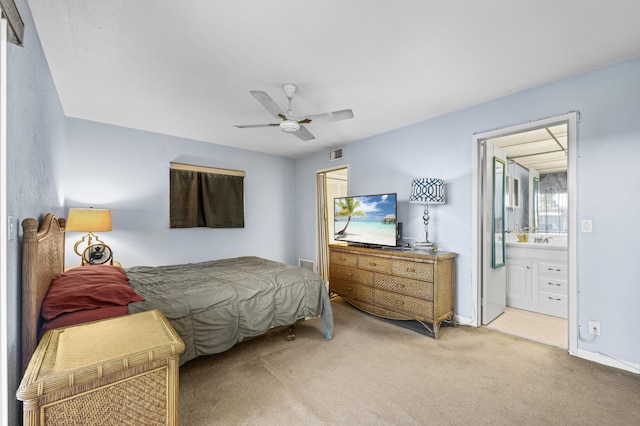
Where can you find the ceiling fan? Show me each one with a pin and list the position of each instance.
(290, 123)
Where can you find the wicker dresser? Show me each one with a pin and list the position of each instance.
(119, 371)
(394, 284)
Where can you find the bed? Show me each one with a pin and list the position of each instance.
(213, 305)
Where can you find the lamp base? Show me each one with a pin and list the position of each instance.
(423, 245)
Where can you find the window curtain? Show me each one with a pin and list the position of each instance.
(323, 233)
(201, 199)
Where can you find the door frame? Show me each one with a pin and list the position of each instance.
(571, 119)
(324, 218)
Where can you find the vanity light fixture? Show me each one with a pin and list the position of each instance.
(427, 191)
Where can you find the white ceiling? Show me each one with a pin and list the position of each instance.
(185, 68)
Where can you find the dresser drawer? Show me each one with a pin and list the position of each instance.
(406, 286)
(374, 263)
(406, 305)
(349, 290)
(351, 274)
(344, 259)
(415, 270)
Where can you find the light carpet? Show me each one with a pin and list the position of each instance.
(376, 373)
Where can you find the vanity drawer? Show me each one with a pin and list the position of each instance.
(553, 304)
(415, 270)
(374, 263)
(406, 286)
(553, 285)
(344, 259)
(351, 274)
(552, 269)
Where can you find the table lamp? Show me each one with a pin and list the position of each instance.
(427, 191)
(90, 220)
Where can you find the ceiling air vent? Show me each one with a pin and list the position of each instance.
(336, 154)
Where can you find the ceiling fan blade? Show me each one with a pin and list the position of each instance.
(304, 134)
(248, 126)
(343, 114)
(267, 102)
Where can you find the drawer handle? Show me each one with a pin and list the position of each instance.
(555, 269)
(343, 259)
(349, 274)
(349, 288)
(373, 264)
(411, 270)
(553, 298)
(555, 284)
(399, 302)
(401, 286)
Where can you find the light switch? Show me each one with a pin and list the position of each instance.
(11, 232)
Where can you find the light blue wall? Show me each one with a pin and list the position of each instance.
(127, 171)
(608, 101)
(35, 160)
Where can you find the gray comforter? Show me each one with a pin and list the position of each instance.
(214, 305)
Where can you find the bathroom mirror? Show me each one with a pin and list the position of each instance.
(498, 212)
(535, 198)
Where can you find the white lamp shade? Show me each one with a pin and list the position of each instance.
(89, 220)
(427, 191)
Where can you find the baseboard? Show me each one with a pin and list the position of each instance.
(465, 321)
(609, 361)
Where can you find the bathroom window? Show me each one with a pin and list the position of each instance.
(553, 203)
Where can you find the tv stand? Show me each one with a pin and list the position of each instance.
(398, 285)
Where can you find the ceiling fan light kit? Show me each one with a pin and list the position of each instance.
(289, 123)
(289, 126)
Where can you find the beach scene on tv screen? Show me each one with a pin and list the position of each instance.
(367, 219)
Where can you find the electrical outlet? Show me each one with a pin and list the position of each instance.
(586, 225)
(594, 327)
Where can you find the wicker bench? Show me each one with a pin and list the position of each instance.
(120, 371)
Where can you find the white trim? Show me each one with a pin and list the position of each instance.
(464, 320)
(571, 119)
(607, 360)
(572, 189)
(4, 318)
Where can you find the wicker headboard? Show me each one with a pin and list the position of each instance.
(42, 259)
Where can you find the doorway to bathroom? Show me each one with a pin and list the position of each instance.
(531, 290)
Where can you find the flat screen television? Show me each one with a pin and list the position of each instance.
(369, 220)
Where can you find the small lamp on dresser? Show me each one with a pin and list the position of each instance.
(427, 191)
(91, 220)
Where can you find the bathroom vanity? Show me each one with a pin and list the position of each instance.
(537, 278)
